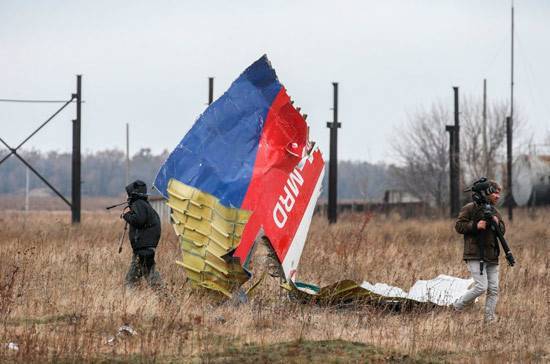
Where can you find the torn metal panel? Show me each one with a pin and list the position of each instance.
(249, 151)
(247, 170)
(442, 290)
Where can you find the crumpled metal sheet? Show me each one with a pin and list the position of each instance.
(208, 233)
(247, 170)
(442, 290)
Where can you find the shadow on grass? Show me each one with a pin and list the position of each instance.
(70, 318)
(329, 351)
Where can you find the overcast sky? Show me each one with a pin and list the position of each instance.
(147, 63)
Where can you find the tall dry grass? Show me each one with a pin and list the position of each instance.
(62, 294)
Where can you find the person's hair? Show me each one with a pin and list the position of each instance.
(494, 186)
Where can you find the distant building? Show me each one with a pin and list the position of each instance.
(399, 196)
(531, 180)
(395, 201)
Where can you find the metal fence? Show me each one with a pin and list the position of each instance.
(160, 206)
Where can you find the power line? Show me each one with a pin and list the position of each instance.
(13, 151)
(37, 101)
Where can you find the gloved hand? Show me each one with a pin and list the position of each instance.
(510, 259)
(124, 213)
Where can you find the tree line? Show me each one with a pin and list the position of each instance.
(420, 149)
(104, 173)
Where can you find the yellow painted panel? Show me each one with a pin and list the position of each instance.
(203, 212)
(216, 250)
(225, 213)
(194, 262)
(222, 242)
(207, 231)
(178, 205)
(190, 233)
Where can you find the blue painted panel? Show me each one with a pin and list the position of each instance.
(217, 155)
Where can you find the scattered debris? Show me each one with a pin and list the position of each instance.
(122, 332)
(220, 320)
(12, 346)
(442, 290)
(126, 330)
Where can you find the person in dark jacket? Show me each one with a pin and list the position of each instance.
(144, 236)
(481, 251)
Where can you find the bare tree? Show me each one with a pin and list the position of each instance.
(360, 180)
(422, 147)
(484, 147)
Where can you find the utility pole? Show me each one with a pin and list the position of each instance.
(76, 175)
(210, 90)
(457, 148)
(333, 162)
(485, 151)
(451, 130)
(509, 127)
(509, 166)
(27, 190)
(127, 154)
(454, 159)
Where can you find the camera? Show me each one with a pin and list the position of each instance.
(480, 189)
(481, 185)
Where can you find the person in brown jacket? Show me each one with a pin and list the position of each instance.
(481, 251)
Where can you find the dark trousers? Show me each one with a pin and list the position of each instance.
(143, 265)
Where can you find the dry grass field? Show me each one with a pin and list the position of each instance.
(63, 300)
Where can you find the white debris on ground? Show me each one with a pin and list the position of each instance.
(123, 331)
(442, 290)
(12, 346)
(126, 330)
